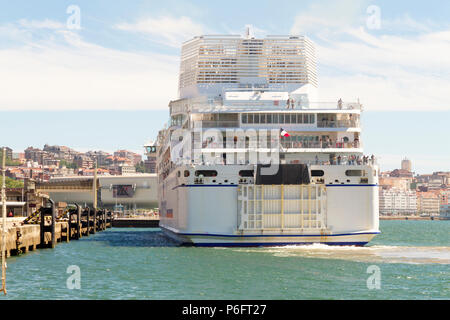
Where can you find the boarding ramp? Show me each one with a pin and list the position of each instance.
(278, 207)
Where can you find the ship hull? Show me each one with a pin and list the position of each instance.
(221, 240)
(217, 214)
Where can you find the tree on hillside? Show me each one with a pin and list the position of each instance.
(11, 183)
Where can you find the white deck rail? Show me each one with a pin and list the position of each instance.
(275, 207)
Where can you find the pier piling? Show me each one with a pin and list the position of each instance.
(75, 226)
(48, 228)
(45, 228)
(94, 222)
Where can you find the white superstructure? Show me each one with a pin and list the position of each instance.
(227, 177)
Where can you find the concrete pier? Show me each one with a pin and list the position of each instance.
(21, 238)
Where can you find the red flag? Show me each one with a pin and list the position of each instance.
(284, 133)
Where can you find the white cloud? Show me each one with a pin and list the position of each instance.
(403, 66)
(63, 72)
(41, 24)
(328, 16)
(167, 30)
(388, 72)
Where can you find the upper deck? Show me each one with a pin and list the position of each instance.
(220, 105)
(210, 64)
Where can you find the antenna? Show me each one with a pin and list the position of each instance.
(247, 31)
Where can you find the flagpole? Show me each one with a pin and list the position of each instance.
(3, 288)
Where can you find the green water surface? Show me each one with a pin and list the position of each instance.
(412, 257)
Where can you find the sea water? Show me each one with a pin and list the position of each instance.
(408, 260)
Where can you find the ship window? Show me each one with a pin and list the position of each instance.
(179, 173)
(305, 118)
(281, 117)
(269, 118)
(186, 173)
(317, 173)
(246, 173)
(354, 173)
(275, 118)
(299, 118)
(287, 118)
(250, 118)
(263, 118)
(256, 118)
(206, 173)
(244, 118)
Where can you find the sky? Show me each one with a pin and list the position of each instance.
(99, 74)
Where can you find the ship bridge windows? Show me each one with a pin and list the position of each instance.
(278, 118)
(177, 120)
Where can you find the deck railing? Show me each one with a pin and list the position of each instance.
(202, 104)
(338, 124)
(283, 145)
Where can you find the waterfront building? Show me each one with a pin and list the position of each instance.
(428, 203)
(395, 201)
(137, 191)
(444, 212)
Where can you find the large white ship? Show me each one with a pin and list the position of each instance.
(251, 157)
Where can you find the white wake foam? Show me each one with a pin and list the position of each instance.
(372, 254)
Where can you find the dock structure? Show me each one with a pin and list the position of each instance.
(44, 229)
(150, 222)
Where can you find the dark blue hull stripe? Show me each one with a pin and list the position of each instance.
(235, 185)
(351, 185)
(204, 185)
(274, 244)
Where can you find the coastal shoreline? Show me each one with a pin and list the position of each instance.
(409, 218)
